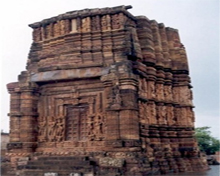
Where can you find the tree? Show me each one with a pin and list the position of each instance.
(206, 142)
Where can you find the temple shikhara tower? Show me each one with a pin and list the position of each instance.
(104, 93)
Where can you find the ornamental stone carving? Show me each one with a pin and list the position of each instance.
(111, 162)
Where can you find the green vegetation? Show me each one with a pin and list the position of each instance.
(206, 142)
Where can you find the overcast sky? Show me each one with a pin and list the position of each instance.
(196, 20)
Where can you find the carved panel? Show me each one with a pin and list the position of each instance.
(86, 24)
(95, 24)
(190, 116)
(114, 97)
(151, 112)
(56, 29)
(161, 114)
(183, 116)
(63, 27)
(42, 130)
(47, 31)
(143, 112)
(159, 92)
(117, 21)
(142, 87)
(176, 115)
(176, 94)
(60, 128)
(151, 89)
(168, 93)
(96, 127)
(185, 95)
(51, 134)
(170, 115)
(106, 23)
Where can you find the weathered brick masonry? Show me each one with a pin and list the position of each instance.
(104, 93)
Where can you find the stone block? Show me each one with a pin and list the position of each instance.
(75, 174)
(50, 174)
(111, 162)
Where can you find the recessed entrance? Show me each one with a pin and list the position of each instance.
(76, 123)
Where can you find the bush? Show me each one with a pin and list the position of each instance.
(206, 142)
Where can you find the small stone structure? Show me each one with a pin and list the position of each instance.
(4, 142)
(213, 159)
(104, 93)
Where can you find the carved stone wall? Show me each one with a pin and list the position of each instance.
(106, 89)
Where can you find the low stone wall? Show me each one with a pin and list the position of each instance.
(214, 159)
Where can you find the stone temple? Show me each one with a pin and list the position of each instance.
(104, 93)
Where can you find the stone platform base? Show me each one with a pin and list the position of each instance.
(100, 165)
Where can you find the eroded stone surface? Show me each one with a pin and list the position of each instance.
(104, 93)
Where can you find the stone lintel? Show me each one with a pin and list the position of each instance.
(69, 74)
